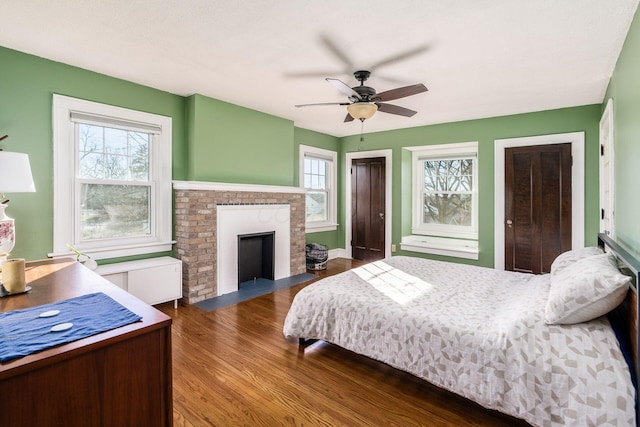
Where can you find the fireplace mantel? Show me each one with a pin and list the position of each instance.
(227, 186)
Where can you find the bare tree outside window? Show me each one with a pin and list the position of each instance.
(115, 193)
(448, 192)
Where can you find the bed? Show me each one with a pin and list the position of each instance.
(527, 345)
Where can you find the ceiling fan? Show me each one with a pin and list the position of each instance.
(364, 101)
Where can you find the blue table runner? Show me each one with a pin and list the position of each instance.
(23, 332)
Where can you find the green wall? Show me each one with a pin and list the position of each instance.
(624, 89)
(27, 85)
(228, 143)
(485, 131)
(212, 140)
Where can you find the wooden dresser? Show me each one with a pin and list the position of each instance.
(117, 378)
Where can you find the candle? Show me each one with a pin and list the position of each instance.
(13, 275)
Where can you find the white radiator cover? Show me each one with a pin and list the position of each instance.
(153, 280)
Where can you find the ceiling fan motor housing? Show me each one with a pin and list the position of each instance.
(365, 92)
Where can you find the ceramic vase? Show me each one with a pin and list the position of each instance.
(7, 233)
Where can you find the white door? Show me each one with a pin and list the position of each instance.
(606, 171)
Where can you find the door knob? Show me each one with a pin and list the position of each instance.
(509, 223)
(381, 215)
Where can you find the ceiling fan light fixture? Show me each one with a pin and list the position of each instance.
(362, 110)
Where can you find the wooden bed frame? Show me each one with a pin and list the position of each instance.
(624, 319)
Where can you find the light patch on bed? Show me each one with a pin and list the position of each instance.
(401, 287)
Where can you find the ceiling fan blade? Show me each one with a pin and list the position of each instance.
(343, 87)
(395, 109)
(307, 74)
(322, 103)
(400, 57)
(391, 79)
(401, 92)
(348, 118)
(336, 51)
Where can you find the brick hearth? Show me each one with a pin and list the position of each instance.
(196, 234)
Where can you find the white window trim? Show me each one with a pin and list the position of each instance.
(461, 149)
(64, 212)
(577, 186)
(331, 223)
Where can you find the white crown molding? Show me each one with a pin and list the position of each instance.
(227, 186)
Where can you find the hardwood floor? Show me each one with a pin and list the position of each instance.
(233, 367)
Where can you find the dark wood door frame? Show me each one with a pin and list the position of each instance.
(347, 205)
(577, 140)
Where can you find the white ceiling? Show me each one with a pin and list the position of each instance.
(479, 58)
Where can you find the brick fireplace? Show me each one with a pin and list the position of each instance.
(197, 238)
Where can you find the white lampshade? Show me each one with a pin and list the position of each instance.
(15, 173)
(362, 110)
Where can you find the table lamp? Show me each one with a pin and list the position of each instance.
(15, 177)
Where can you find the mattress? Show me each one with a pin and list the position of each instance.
(475, 331)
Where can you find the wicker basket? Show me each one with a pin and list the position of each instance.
(317, 256)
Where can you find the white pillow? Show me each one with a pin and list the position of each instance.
(567, 258)
(586, 289)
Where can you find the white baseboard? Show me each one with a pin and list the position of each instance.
(337, 253)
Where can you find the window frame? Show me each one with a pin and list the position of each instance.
(443, 152)
(67, 182)
(331, 157)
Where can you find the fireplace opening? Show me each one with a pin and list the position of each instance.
(255, 257)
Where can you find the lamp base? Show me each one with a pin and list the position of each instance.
(7, 232)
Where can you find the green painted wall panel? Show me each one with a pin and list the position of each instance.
(27, 84)
(485, 131)
(624, 89)
(228, 143)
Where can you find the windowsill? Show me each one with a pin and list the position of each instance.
(467, 249)
(121, 251)
(444, 233)
(320, 228)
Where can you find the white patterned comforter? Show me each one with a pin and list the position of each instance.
(477, 332)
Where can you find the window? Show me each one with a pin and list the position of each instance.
(445, 200)
(445, 189)
(318, 176)
(112, 179)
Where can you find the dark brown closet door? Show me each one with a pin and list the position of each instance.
(537, 206)
(368, 209)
